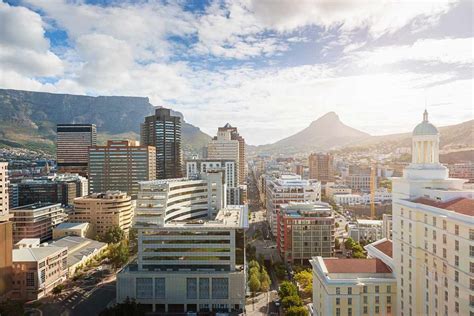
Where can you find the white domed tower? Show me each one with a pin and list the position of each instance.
(425, 143)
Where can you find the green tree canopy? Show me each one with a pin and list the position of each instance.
(290, 301)
(287, 289)
(296, 311)
(254, 284)
(113, 235)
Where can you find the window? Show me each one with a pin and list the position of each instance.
(471, 284)
(456, 276)
(338, 311)
(349, 311)
(456, 229)
(365, 289)
(456, 261)
(191, 288)
(144, 288)
(446, 296)
(471, 251)
(444, 239)
(376, 289)
(456, 307)
(204, 288)
(377, 309)
(434, 234)
(434, 248)
(456, 245)
(365, 310)
(444, 253)
(160, 288)
(471, 300)
(30, 279)
(471, 267)
(338, 290)
(471, 234)
(456, 291)
(445, 225)
(434, 221)
(220, 288)
(389, 300)
(349, 301)
(349, 290)
(389, 288)
(377, 300)
(365, 299)
(338, 301)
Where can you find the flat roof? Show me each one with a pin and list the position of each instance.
(78, 247)
(69, 225)
(336, 265)
(34, 206)
(460, 205)
(233, 216)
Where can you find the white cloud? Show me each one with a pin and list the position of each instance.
(23, 47)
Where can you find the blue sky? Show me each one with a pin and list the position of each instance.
(268, 67)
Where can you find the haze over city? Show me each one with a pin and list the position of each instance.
(269, 67)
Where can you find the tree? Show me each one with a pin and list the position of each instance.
(254, 264)
(287, 289)
(264, 286)
(255, 272)
(57, 289)
(296, 311)
(305, 279)
(254, 284)
(133, 240)
(119, 254)
(113, 235)
(290, 301)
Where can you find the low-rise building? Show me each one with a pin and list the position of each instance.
(37, 220)
(365, 229)
(353, 287)
(71, 229)
(37, 269)
(104, 211)
(80, 251)
(306, 230)
(331, 189)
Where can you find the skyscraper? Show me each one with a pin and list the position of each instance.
(321, 167)
(163, 131)
(215, 153)
(120, 166)
(73, 141)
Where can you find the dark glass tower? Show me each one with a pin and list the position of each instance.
(163, 131)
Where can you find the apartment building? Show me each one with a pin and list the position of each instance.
(37, 269)
(120, 165)
(288, 188)
(353, 287)
(191, 248)
(433, 233)
(4, 196)
(73, 141)
(104, 211)
(37, 220)
(321, 167)
(163, 131)
(6, 233)
(196, 166)
(306, 230)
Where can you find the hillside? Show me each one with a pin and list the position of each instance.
(28, 119)
(325, 133)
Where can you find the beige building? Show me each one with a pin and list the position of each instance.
(331, 189)
(120, 165)
(72, 229)
(37, 269)
(37, 220)
(353, 287)
(4, 199)
(433, 233)
(103, 211)
(6, 242)
(321, 167)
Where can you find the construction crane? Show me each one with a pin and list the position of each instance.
(373, 184)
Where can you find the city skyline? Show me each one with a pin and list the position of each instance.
(265, 65)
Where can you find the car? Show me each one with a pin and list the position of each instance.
(277, 303)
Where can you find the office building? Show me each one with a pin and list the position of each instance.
(353, 287)
(288, 188)
(321, 167)
(433, 233)
(6, 233)
(37, 269)
(229, 145)
(163, 131)
(190, 265)
(160, 201)
(61, 188)
(13, 194)
(37, 220)
(104, 211)
(120, 165)
(73, 141)
(306, 230)
(365, 229)
(197, 166)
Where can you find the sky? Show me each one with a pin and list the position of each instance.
(268, 67)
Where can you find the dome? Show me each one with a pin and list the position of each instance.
(425, 127)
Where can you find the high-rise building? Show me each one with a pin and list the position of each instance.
(195, 167)
(120, 165)
(73, 141)
(163, 131)
(433, 233)
(104, 211)
(229, 145)
(36, 220)
(6, 233)
(321, 167)
(61, 188)
(191, 248)
(306, 230)
(288, 188)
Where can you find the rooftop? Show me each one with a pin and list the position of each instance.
(78, 247)
(34, 254)
(34, 206)
(69, 225)
(335, 265)
(461, 205)
(369, 222)
(386, 247)
(234, 216)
